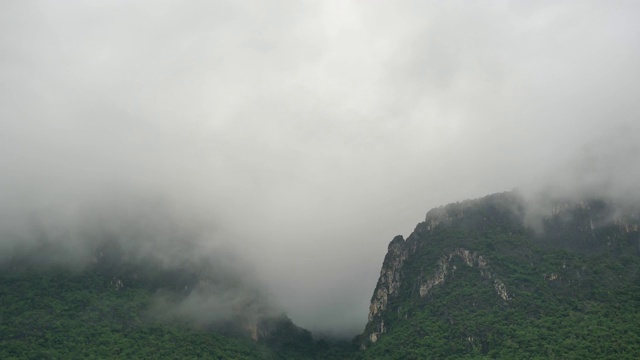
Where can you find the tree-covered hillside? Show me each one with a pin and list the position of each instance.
(494, 278)
(480, 279)
(115, 309)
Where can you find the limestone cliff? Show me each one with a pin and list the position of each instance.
(490, 245)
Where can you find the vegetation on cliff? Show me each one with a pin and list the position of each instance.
(478, 281)
(487, 278)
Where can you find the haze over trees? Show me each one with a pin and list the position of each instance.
(263, 155)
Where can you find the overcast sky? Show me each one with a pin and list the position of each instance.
(307, 134)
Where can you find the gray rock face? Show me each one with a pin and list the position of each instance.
(391, 279)
(478, 235)
(471, 259)
(388, 284)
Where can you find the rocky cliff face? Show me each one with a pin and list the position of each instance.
(390, 276)
(471, 259)
(388, 285)
(481, 238)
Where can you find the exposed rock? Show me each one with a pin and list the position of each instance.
(391, 274)
(117, 283)
(375, 335)
(437, 278)
(471, 259)
(388, 284)
(390, 277)
(511, 237)
(501, 289)
(552, 276)
(436, 217)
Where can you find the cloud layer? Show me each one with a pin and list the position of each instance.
(304, 135)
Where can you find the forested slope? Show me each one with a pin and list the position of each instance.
(477, 280)
(115, 309)
(486, 278)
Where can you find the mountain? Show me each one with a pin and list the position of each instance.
(499, 277)
(124, 306)
(495, 277)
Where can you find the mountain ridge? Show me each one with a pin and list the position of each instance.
(493, 277)
(570, 258)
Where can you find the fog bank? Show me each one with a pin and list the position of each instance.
(301, 135)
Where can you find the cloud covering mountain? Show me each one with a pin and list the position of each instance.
(304, 135)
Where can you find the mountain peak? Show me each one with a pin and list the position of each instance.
(483, 259)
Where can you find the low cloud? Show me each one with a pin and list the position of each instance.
(302, 136)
